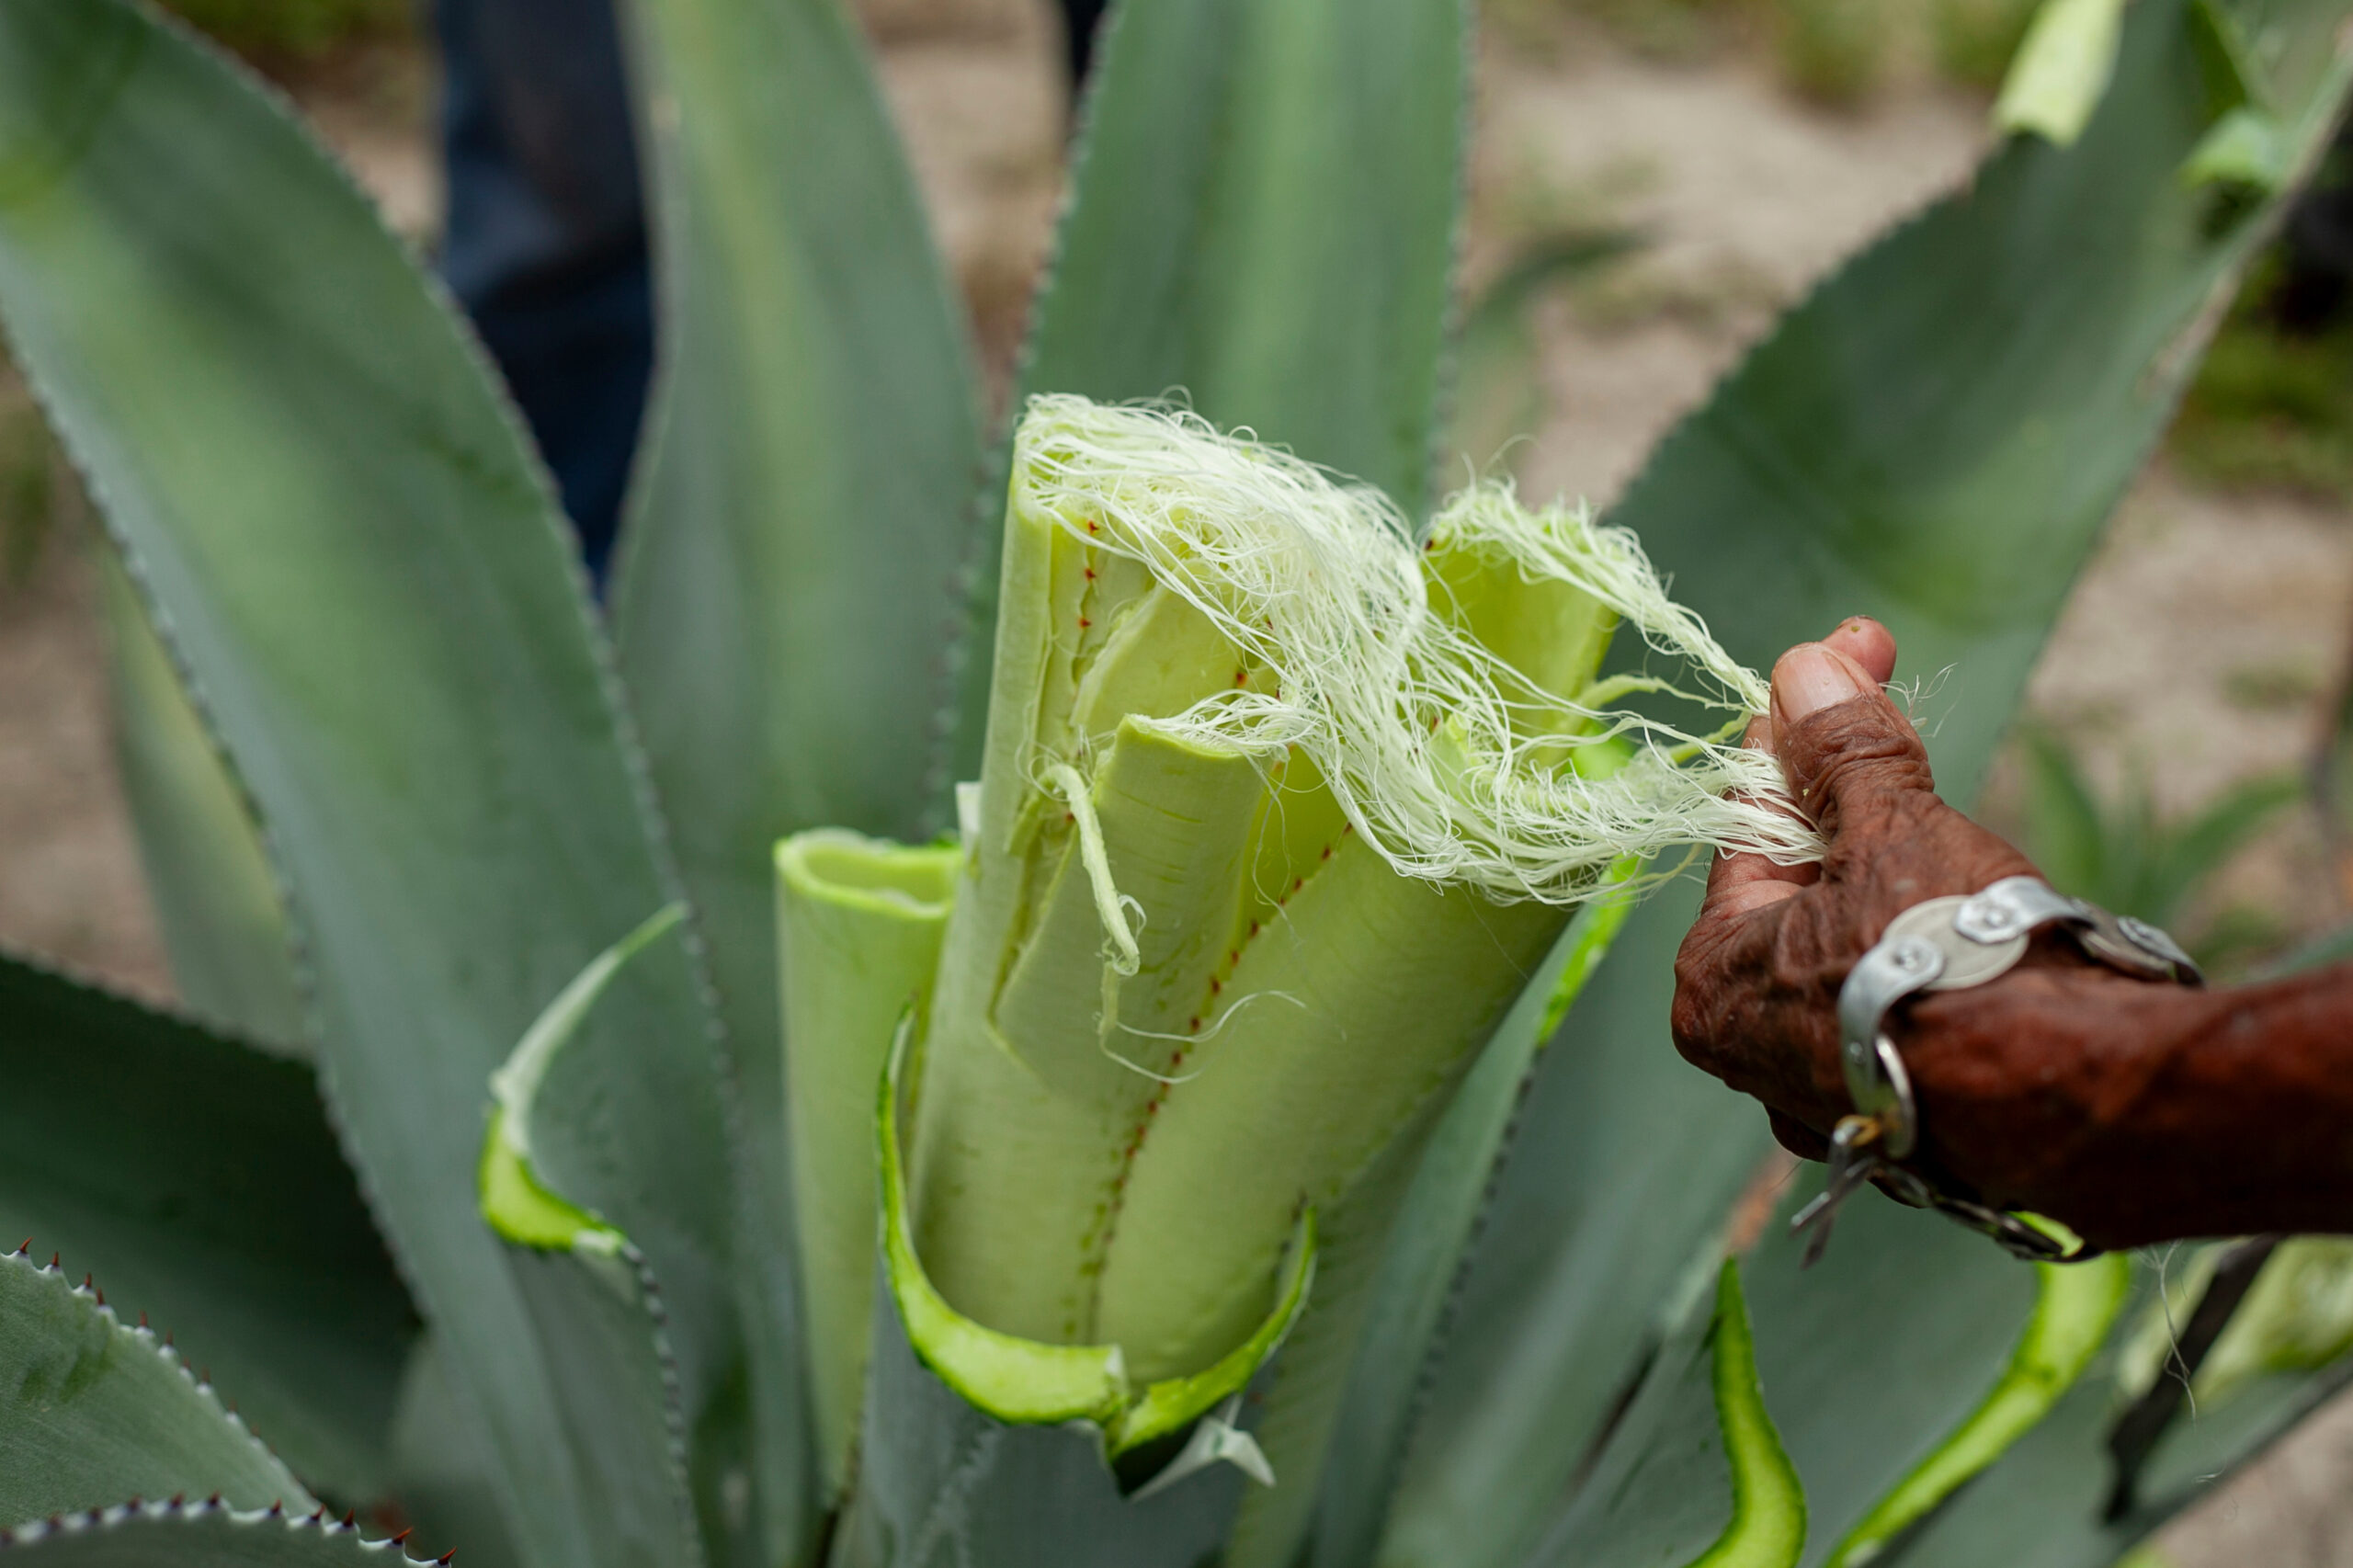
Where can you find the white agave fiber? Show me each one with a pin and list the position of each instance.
(1408, 718)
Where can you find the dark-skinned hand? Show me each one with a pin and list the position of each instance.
(2132, 1111)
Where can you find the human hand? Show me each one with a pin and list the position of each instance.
(2132, 1112)
(1758, 976)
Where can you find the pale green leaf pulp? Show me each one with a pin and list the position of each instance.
(859, 923)
(1025, 1381)
(2062, 67)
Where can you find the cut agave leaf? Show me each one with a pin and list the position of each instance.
(592, 1294)
(2043, 1505)
(2062, 67)
(859, 920)
(199, 1179)
(1022, 1381)
(940, 1481)
(1698, 1475)
(2075, 1305)
(94, 1409)
(1421, 1268)
(199, 1535)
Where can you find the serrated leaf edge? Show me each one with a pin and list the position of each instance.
(94, 1298)
(179, 1509)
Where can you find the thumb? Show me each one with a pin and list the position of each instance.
(1849, 755)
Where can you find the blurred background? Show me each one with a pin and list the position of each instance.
(1653, 179)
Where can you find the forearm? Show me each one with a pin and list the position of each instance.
(2136, 1112)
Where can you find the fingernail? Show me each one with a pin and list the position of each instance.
(1811, 677)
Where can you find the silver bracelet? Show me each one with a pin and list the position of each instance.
(1950, 944)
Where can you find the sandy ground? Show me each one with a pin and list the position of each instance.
(2199, 647)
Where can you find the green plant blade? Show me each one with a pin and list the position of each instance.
(2075, 1307)
(1935, 438)
(593, 1293)
(197, 1535)
(1267, 198)
(441, 1468)
(858, 923)
(215, 898)
(2041, 1505)
(359, 570)
(1910, 1358)
(1434, 1232)
(97, 1409)
(786, 595)
(199, 1181)
(1699, 1476)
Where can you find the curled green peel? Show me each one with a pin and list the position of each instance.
(514, 1203)
(1025, 1382)
(1768, 1524)
(2075, 1305)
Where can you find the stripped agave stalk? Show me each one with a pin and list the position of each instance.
(1278, 814)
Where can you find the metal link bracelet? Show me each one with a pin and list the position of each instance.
(1950, 944)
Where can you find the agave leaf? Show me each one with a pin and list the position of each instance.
(199, 1178)
(215, 897)
(1699, 1475)
(94, 1409)
(360, 571)
(2042, 1505)
(991, 1449)
(441, 1468)
(2075, 1305)
(1933, 438)
(1266, 193)
(1421, 1268)
(790, 578)
(859, 923)
(199, 1535)
(556, 1157)
(1945, 1351)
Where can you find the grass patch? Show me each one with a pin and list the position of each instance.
(2272, 408)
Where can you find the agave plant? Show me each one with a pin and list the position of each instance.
(939, 778)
